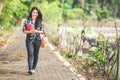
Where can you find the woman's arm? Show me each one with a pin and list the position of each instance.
(39, 32)
(31, 31)
(24, 28)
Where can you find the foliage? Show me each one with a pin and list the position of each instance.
(100, 54)
(28, 3)
(54, 10)
(71, 13)
(97, 56)
(54, 38)
(88, 29)
(11, 12)
(74, 13)
(50, 11)
(68, 4)
(66, 53)
(102, 13)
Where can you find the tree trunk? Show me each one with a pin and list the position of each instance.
(2, 3)
(103, 3)
(82, 3)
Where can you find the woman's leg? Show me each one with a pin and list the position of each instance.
(36, 52)
(30, 51)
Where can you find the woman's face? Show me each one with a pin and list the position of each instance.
(34, 14)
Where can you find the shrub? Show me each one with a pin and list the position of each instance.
(74, 13)
(11, 12)
(102, 13)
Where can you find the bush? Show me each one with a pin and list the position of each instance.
(74, 13)
(11, 12)
(51, 11)
(102, 13)
(55, 38)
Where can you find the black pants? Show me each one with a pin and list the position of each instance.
(33, 51)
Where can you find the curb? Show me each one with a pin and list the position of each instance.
(66, 63)
(5, 46)
(7, 42)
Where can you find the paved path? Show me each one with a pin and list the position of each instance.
(14, 63)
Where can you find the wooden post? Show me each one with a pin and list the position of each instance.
(118, 54)
(118, 62)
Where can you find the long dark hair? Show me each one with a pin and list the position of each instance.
(39, 17)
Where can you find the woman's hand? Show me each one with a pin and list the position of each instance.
(36, 31)
(31, 31)
(39, 32)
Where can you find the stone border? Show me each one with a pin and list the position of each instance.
(66, 63)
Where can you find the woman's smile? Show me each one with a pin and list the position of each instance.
(34, 14)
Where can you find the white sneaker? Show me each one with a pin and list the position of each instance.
(33, 71)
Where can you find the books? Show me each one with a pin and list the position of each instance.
(29, 26)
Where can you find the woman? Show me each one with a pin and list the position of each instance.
(33, 37)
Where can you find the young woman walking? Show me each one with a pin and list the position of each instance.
(33, 28)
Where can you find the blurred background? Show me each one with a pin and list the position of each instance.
(58, 11)
(86, 32)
